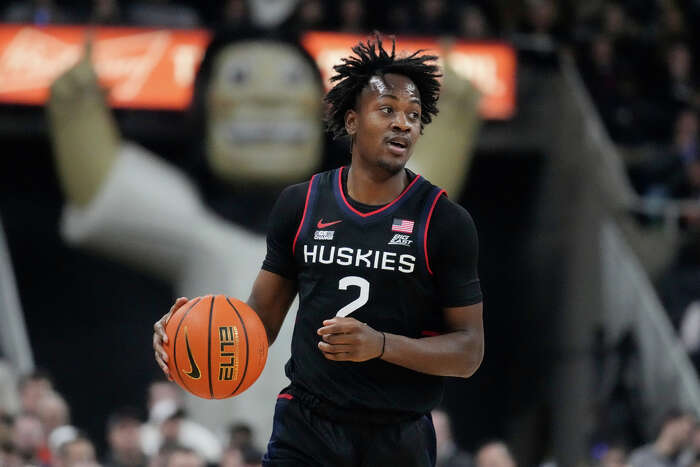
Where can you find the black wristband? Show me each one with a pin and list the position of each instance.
(383, 343)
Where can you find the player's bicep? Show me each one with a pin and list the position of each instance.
(283, 223)
(466, 330)
(465, 318)
(271, 297)
(454, 250)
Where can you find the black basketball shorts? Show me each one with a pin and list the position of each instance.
(303, 436)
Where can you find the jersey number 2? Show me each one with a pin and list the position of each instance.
(363, 284)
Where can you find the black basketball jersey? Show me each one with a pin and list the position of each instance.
(374, 267)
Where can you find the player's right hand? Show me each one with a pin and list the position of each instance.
(160, 337)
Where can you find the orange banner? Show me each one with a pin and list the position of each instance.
(141, 68)
(490, 66)
(155, 68)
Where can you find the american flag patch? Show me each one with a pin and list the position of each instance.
(402, 225)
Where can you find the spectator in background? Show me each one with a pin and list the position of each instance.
(235, 14)
(32, 388)
(494, 454)
(162, 13)
(232, 457)
(448, 453)
(311, 15)
(168, 424)
(614, 455)
(672, 439)
(53, 411)
(124, 440)
(680, 87)
(240, 451)
(6, 423)
(37, 12)
(674, 90)
(668, 175)
(691, 455)
(78, 452)
(433, 18)
(180, 456)
(630, 44)
(352, 16)
(472, 23)
(54, 414)
(161, 456)
(243, 457)
(616, 23)
(540, 26)
(604, 76)
(9, 456)
(28, 437)
(399, 18)
(672, 23)
(240, 435)
(105, 12)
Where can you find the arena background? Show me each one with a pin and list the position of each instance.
(576, 253)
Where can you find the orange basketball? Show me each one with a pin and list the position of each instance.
(217, 346)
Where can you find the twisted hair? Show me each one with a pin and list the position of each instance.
(371, 59)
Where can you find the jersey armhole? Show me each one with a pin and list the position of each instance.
(439, 194)
(303, 216)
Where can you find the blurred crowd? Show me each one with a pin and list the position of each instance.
(36, 431)
(640, 66)
(626, 25)
(426, 17)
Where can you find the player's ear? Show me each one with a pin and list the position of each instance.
(351, 122)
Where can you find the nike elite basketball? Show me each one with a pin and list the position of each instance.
(217, 346)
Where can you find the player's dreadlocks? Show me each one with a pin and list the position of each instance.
(370, 60)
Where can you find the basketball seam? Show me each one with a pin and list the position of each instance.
(247, 346)
(211, 313)
(177, 331)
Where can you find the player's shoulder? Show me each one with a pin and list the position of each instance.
(298, 190)
(295, 195)
(301, 189)
(448, 212)
(291, 200)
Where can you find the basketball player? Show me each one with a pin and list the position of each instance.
(385, 266)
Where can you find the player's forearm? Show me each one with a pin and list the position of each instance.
(269, 314)
(458, 353)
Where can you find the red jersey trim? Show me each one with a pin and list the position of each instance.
(303, 217)
(427, 226)
(376, 211)
(285, 396)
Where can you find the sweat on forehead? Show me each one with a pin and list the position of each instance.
(392, 83)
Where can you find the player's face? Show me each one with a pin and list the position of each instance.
(386, 122)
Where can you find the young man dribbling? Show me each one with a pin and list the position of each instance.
(385, 267)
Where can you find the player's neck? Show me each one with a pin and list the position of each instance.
(374, 186)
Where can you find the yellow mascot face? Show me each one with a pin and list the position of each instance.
(264, 114)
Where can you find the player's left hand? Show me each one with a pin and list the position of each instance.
(347, 339)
